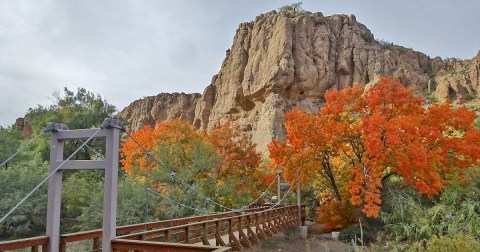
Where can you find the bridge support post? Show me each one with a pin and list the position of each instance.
(279, 192)
(110, 130)
(299, 203)
(54, 191)
(110, 188)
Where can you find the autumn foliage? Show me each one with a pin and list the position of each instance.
(220, 162)
(239, 155)
(360, 139)
(134, 159)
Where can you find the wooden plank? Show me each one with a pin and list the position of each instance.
(168, 237)
(80, 236)
(24, 243)
(266, 226)
(251, 235)
(218, 237)
(187, 235)
(261, 234)
(244, 240)
(205, 234)
(234, 242)
(163, 246)
(96, 243)
(270, 225)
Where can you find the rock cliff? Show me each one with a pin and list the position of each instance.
(163, 107)
(285, 60)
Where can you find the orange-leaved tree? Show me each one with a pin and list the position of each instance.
(133, 157)
(240, 157)
(221, 164)
(362, 138)
(238, 171)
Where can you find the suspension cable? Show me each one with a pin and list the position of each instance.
(178, 203)
(261, 195)
(49, 175)
(23, 147)
(278, 203)
(149, 189)
(173, 174)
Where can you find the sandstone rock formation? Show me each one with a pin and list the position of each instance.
(457, 80)
(163, 107)
(285, 60)
(24, 126)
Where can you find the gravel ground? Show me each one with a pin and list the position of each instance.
(317, 241)
(283, 243)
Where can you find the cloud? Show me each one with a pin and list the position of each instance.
(125, 50)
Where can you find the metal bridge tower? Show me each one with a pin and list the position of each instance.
(110, 130)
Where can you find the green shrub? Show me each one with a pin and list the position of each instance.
(471, 96)
(461, 70)
(416, 218)
(352, 233)
(385, 44)
(459, 243)
(432, 99)
(295, 8)
(368, 37)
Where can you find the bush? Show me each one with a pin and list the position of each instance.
(471, 96)
(432, 99)
(368, 37)
(353, 233)
(457, 244)
(461, 70)
(295, 8)
(387, 45)
(416, 218)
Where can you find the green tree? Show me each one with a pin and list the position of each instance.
(10, 140)
(15, 182)
(84, 202)
(80, 109)
(294, 8)
(77, 110)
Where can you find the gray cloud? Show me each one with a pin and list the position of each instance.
(125, 50)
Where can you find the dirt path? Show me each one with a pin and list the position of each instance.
(317, 241)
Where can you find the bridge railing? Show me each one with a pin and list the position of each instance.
(41, 242)
(127, 245)
(95, 235)
(35, 244)
(241, 231)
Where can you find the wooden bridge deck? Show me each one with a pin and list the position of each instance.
(219, 232)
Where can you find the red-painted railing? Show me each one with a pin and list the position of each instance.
(259, 223)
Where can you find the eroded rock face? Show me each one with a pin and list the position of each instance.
(22, 123)
(281, 61)
(163, 107)
(457, 80)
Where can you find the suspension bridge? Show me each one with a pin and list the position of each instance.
(233, 229)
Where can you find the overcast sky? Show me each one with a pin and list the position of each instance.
(127, 49)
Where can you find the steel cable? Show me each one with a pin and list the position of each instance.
(49, 175)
